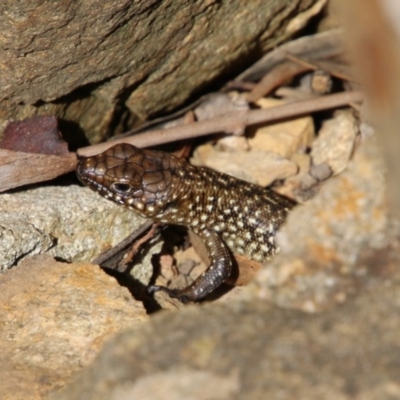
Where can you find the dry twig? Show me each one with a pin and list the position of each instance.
(230, 122)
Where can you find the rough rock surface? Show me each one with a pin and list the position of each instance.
(247, 348)
(85, 61)
(265, 157)
(254, 351)
(70, 223)
(54, 319)
(284, 138)
(335, 142)
(325, 241)
(255, 166)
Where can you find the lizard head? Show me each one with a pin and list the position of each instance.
(136, 178)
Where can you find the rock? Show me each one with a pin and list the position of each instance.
(97, 66)
(335, 142)
(284, 138)
(54, 319)
(70, 223)
(338, 248)
(266, 156)
(323, 240)
(259, 167)
(251, 350)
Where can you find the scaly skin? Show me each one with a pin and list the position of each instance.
(227, 213)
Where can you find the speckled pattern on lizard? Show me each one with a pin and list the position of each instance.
(228, 214)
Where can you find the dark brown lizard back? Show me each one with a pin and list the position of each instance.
(168, 189)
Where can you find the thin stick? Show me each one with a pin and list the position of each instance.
(275, 78)
(301, 62)
(323, 65)
(230, 122)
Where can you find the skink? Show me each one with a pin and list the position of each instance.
(228, 214)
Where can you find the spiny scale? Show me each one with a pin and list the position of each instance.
(222, 210)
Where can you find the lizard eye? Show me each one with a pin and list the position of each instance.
(121, 188)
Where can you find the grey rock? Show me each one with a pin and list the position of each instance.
(254, 351)
(324, 240)
(335, 142)
(70, 223)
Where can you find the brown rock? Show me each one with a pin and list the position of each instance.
(256, 166)
(284, 138)
(323, 240)
(81, 61)
(250, 350)
(267, 159)
(54, 319)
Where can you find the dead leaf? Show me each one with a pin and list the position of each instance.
(38, 135)
(33, 151)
